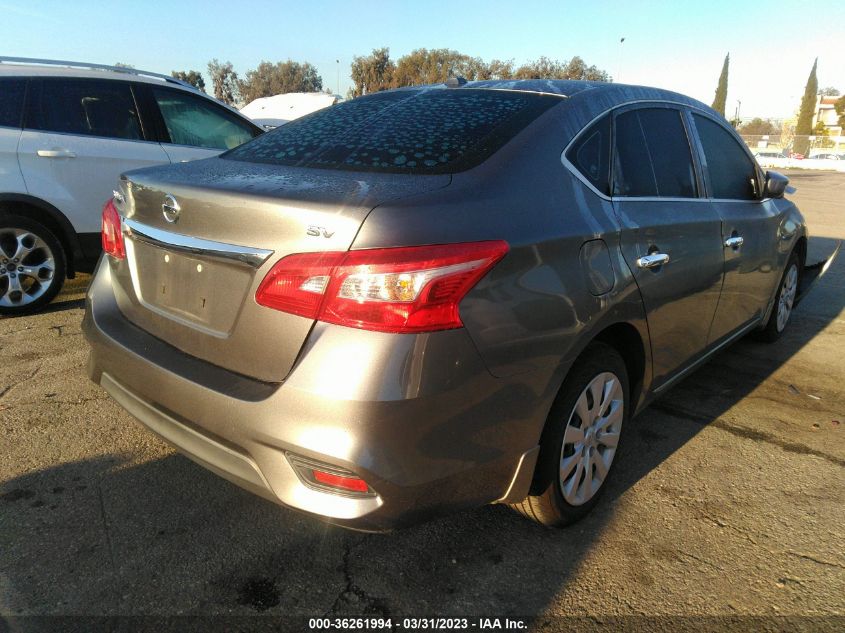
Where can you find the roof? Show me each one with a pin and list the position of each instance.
(23, 67)
(285, 107)
(586, 99)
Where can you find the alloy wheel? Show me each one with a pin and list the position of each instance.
(27, 267)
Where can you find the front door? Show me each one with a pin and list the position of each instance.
(750, 229)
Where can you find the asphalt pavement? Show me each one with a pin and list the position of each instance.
(728, 503)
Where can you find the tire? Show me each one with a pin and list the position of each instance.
(32, 265)
(784, 302)
(560, 481)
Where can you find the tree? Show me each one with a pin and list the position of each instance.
(424, 66)
(575, 68)
(839, 106)
(224, 81)
(272, 79)
(830, 91)
(721, 97)
(192, 77)
(372, 73)
(122, 65)
(758, 127)
(804, 127)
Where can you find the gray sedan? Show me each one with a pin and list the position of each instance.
(429, 299)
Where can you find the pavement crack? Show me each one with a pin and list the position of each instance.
(108, 537)
(820, 561)
(352, 594)
(745, 432)
(8, 388)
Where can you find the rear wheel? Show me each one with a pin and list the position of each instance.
(32, 265)
(784, 303)
(581, 439)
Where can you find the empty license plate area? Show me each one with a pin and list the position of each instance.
(197, 291)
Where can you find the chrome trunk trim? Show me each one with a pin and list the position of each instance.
(231, 253)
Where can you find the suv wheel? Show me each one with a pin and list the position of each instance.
(32, 265)
(581, 439)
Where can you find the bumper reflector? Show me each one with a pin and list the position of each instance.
(329, 478)
(352, 484)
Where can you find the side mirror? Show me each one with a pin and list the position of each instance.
(775, 185)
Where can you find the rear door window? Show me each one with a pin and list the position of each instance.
(89, 107)
(431, 131)
(12, 92)
(196, 121)
(590, 155)
(652, 155)
(732, 174)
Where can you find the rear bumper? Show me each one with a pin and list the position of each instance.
(417, 416)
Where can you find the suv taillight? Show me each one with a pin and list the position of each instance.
(409, 289)
(111, 232)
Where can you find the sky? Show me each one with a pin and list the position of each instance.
(675, 45)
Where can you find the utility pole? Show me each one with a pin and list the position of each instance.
(338, 77)
(619, 62)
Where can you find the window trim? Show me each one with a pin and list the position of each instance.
(760, 176)
(34, 89)
(686, 111)
(153, 111)
(577, 140)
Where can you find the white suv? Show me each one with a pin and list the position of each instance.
(67, 132)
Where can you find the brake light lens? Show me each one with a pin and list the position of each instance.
(112, 235)
(410, 289)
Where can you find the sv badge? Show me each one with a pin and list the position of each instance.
(317, 231)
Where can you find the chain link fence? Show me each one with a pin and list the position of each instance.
(800, 152)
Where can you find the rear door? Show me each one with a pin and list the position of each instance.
(191, 126)
(749, 228)
(671, 236)
(79, 136)
(12, 91)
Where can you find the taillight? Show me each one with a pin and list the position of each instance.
(112, 235)
(409, 289)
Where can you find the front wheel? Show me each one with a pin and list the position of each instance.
(32, 265)
(581, 439)
(784, 303)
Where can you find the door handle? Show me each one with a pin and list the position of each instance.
(56, 153)
(653, 260)
(734, 242)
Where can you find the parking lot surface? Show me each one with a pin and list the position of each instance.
(728, 500)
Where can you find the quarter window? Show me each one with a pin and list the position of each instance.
(652, 155)
(11, 101)
(192, 120)
(591, 155)
(732, 174)
(87, 107)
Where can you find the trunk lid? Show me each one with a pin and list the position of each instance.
(192, 282)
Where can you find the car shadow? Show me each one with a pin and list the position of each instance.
(108, 536)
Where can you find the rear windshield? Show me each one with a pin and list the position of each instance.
(432, 131)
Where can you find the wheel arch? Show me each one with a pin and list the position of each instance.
(48, 215)
(626, 339)
(631, 344)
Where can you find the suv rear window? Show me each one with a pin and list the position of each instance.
(11, 101)
(431, 131)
